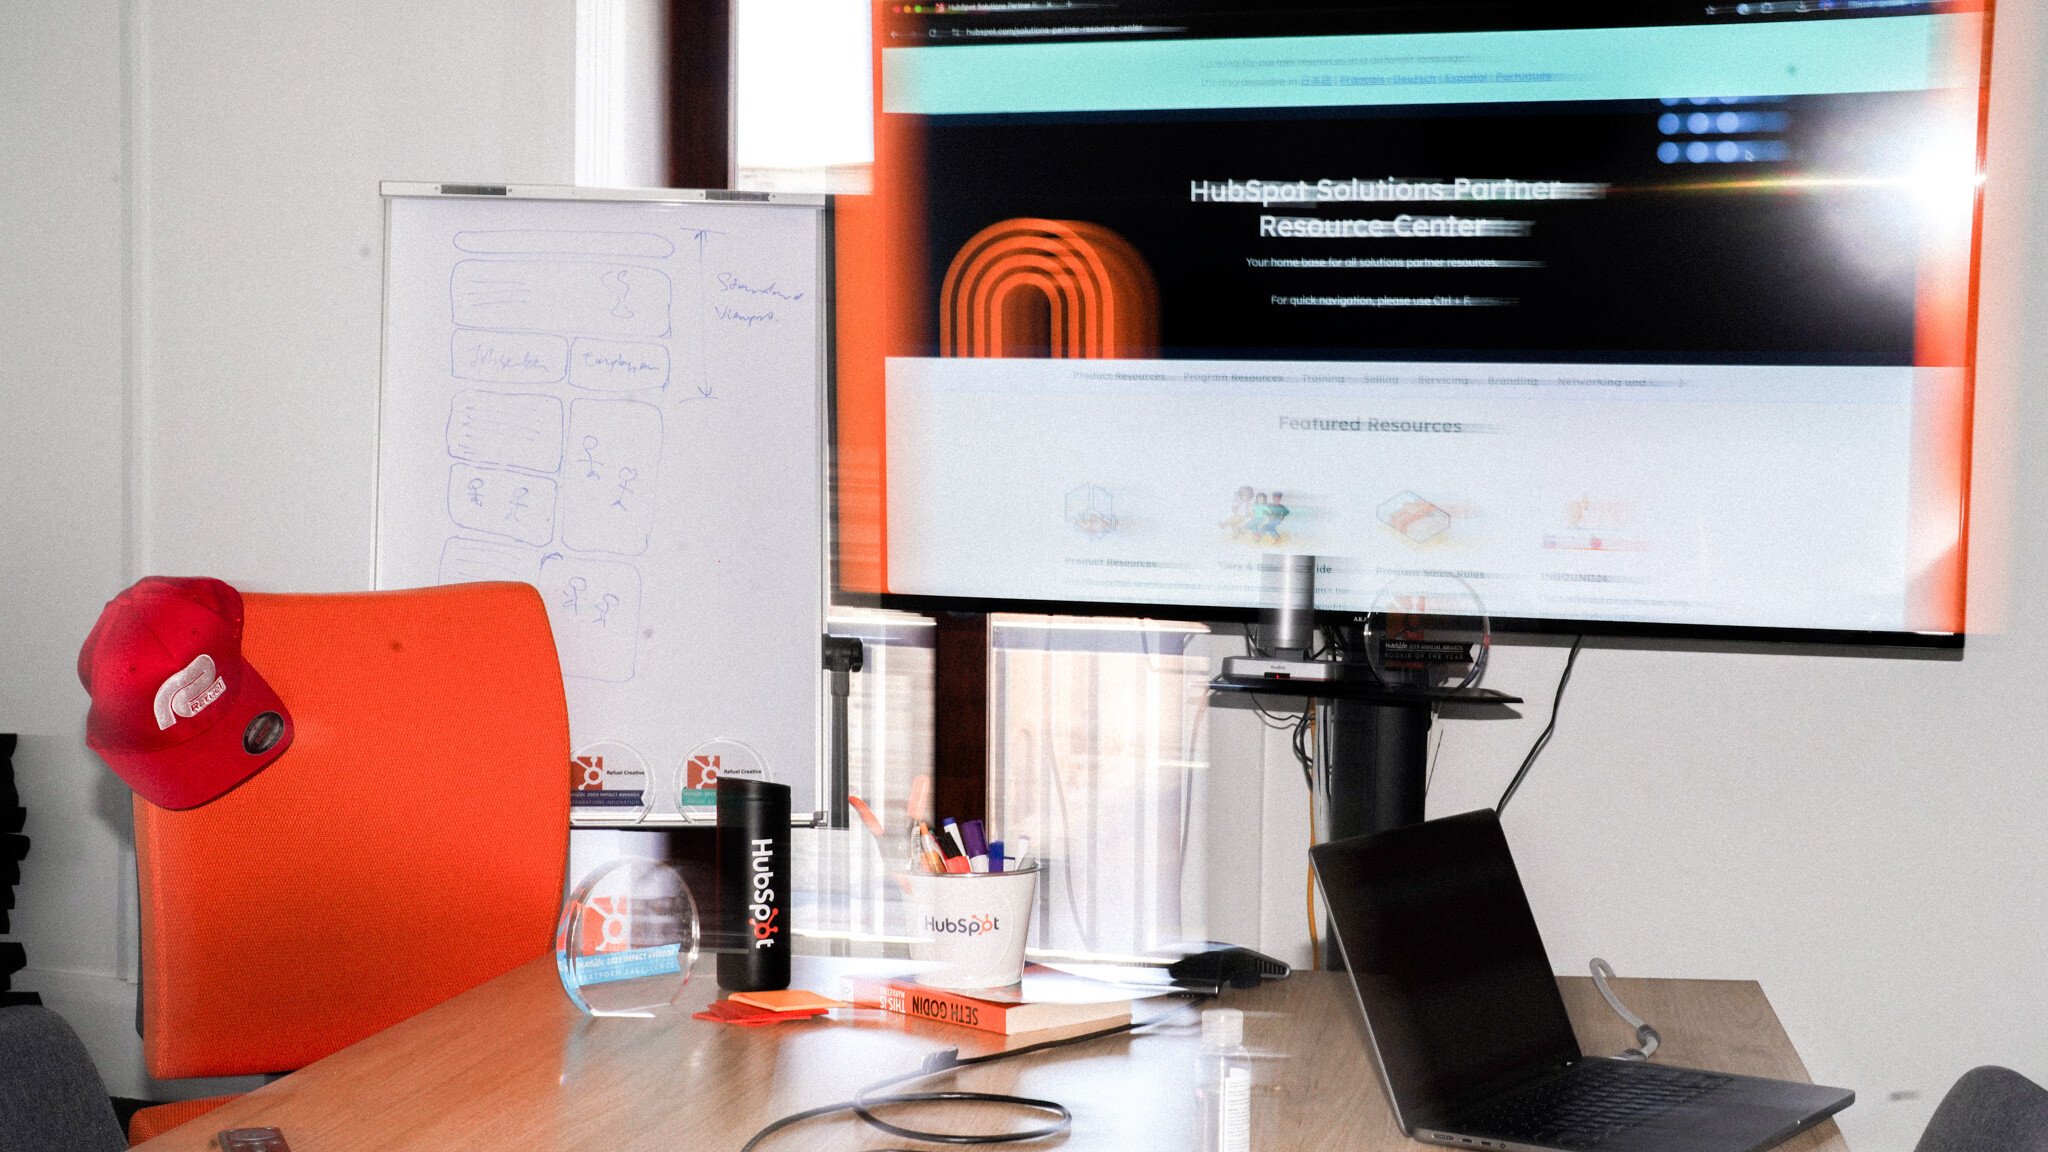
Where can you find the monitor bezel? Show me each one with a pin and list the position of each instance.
(1718, 634)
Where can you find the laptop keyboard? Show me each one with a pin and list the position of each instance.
(1589, 1104)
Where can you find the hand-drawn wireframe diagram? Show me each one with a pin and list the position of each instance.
(520, 473)
(501, 502)
(617, 365)
(594, 606)
(561, 296)
(568, 407)
(516, 429)
(465, 561)
(610, 482)
(507, 357)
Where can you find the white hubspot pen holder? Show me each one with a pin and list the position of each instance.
(972, 925)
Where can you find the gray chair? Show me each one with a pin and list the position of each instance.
(51, 1098)
(1990, 1109)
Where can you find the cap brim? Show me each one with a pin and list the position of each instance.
(212, 763)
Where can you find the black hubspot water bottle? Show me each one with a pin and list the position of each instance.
(753, 866)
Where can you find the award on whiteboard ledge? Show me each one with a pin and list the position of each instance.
(711, 761)
(608, 783)
(627, 939)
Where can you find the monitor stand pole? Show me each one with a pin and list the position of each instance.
(1378, 769)
(1379, 753)
(1379, 761)
(1379, 764)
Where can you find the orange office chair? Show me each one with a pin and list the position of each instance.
(408, 846)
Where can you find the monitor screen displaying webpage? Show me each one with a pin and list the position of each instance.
(1623, 316)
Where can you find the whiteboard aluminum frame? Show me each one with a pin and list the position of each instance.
(390, 190)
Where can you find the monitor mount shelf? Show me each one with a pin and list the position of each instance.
(1378, 741)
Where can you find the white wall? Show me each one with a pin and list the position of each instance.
(189, 386)
(191, 310)
(267, 130)
(63, 453)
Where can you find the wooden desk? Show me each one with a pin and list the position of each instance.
(511, 1065)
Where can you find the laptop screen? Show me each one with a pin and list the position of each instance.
(1456, 986)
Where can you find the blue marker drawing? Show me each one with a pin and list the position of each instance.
(703, 237)
(617, 365)
(609, 507)
(594, 606)
(553, 242)
(515, 429)
(728, 282)
(464, 561)
(743, 316)
(560, 296)
(507, 357)
(622, 300)
(501, 502)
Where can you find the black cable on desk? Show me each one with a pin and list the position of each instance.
(865, 1101)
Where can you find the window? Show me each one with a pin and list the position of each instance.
(1100, 754)
(804, 115)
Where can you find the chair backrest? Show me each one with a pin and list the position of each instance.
(1990, 1109)
(51, 1098)
(408, 846)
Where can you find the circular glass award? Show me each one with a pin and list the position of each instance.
(706, 764)
(627, 939)
(1428, 629)
(608, 783)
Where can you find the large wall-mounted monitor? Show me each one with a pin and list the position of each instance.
(1634, 317)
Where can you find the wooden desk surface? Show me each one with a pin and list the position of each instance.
(511, 1065)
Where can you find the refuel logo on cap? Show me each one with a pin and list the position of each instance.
(188, 692)
(177, 712)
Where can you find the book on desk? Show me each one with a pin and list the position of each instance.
(1045, 999)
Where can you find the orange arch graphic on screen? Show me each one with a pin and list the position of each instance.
(1056, 287)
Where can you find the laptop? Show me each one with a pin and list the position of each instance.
(1469, 1029)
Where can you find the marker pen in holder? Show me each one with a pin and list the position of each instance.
(753, 866)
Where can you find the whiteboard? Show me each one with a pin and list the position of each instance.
(617, 397)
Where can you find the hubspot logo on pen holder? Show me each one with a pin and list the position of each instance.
(973, 925)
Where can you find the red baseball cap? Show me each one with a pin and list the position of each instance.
(176, 711)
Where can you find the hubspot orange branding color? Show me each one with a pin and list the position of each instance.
(1074, 289)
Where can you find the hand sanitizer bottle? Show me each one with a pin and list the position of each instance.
(1226, 1097)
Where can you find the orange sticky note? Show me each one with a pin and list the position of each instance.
(788, 1000)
